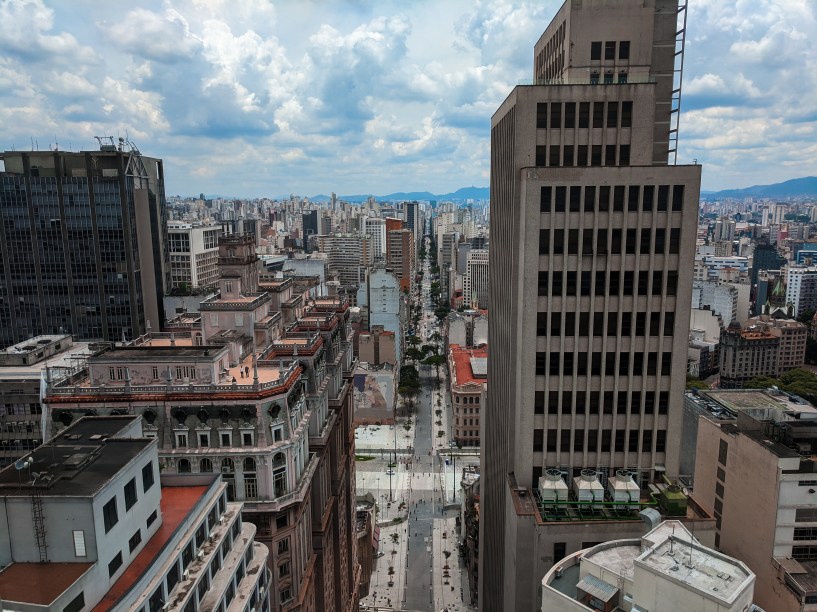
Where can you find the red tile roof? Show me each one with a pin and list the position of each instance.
(39, 583)
(463, 373)
(176, 504)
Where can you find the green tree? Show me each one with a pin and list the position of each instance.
(436, 361)
(414, 354)
(806, 316)
(761, 382)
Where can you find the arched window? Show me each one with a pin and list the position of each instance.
(184, 466)
(205, 465)
(250, 480)
(279, 474)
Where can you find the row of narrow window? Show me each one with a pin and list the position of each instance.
(570, 115)
(597, 402)
(618, 198)
(608, 443)
(569, 323)
(621, 242)
(570, 364)
(568, 155)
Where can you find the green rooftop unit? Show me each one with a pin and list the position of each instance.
(673, 501)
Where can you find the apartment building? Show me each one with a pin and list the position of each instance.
(193, 255)
(468, 371)
(475, 281)
(258, 390)
(801, 289)
(593, 232)
(400, 257)
(100, 529)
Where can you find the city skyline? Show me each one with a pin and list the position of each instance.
(249, 100)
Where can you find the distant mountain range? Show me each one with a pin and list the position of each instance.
(460, 195)
(806, 186)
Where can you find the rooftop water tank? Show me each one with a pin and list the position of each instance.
(587, 487)
(552, 486)
(622, 488)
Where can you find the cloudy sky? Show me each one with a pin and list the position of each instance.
(253, 97)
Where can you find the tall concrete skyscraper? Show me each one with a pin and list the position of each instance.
(592, 242)
(82, 244)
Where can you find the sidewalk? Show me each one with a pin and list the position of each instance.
(380, 593)
(446, 568)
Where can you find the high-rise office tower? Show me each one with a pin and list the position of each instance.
(592, 242)
(82, 244)
(310, 227)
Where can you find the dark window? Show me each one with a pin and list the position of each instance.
(640, 324)
(622, 77)
(593, 405)
(135, 540)
(570, 283)
(638, 368)
(610, 50)
(555, 363)
(623, 364)
(152, 518)
(543, 283)
(660, 240)
(572, 242)
(541, 153)
(624, 155)
(627, 324)
(598, 325)
(643, 282)
(541, 115)
(675, 240)
(595, 54)
(666, 363)
(610, 155)
(633, 193)
(657, 278)
(587, 277)
(723, 451)
(539, 402)
(584, 114)
(559, 548)
(536, 472)
(584, 323)
(130, 494)
(645, 247)
(147, 476)
(555, 156)
(555, 323)
(609, 401)
(631, 241)
(614, 281)
(553, 403)
(649, 196)
(561, 199)
(595, 159)
(655, 324)
(581, 155)
(551, 447)
(570, 115)
(719, 493)
(567, 365)
(629, 282)
(541, 359)
(721, 475)
(541, 323)
(646, 441)
(589, 198)
(624, 50)
(621, 435)
(669, 323)
(632, 441)
(804, 553)
(556, 115)
(672, 283)
(545, 196)
(578, 440)
(564, 444)
(663, 197)
(610, 363)
(77, 604)
(608, 77)
(652, 364)
(575, 198)
(677, 197)
(114, 564)
(649, 403)
(604, 197)
(627, 114)
(570, 323)
(109, 514)
(606, 435)
(612, 323)
(612, 114)
(592, 441)
(598, 114)
(567, 159)
(558, 242)
(544, 241)
(618, 198)
(803, 515)
(594, 78)
(538, 440)
(556, 289)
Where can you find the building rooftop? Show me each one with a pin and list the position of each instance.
(39, 583)
(758, 403)
(78, 461)
(177, 503)
(64, 359)
(465, 360)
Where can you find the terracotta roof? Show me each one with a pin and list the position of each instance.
(39, 583)
(463, 373)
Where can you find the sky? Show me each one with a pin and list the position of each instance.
(254, 98)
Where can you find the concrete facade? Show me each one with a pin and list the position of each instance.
(475, 282)
(193, 255)
(592, 238)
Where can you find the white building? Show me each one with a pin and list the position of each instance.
(719, 298)
(801, 289)
(666, 570)
(376, 228)
(193, 252)
(382, 303)
(475, 282)
(92, 525)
